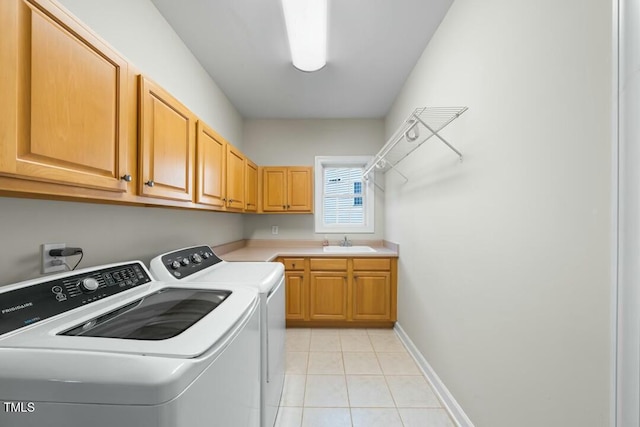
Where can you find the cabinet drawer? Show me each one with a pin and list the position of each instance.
(339, 264)
(293, 263)
(372, 264)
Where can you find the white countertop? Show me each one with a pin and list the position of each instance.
(269, 250)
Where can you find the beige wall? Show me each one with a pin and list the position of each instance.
(107, 233)
(114, 233)
(504, 276)
(297, 142)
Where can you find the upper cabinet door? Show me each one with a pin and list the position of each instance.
(299, 189)
(211, 174)
(63, 100)
(274, 192)
(167, 140)
(235, 178)
(287, 189)
(251, 186)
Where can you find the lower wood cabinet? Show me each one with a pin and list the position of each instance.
(372, 295)
(296, 295)
(328, 294)
(337, 292)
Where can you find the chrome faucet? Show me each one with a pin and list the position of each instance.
(346, 242)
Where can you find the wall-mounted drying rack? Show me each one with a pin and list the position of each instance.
(422, 124)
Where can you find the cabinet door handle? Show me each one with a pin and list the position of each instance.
(126, 178)
(150, 183)
(224, 200)
(293, 265)
(284, 207)
(288, 206)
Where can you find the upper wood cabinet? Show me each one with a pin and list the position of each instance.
(287, 189)
(167, 142)
(79, 122)
(274, 189)
(211, 181)
(235, 178)
(63, 100)
(300, 189)
(251, 186)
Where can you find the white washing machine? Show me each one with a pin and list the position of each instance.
(200, 263)
(110, 346)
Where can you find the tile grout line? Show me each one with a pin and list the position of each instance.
(376, 355)
(387, 383)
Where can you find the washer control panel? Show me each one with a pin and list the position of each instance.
(185, 262)
(32, 303)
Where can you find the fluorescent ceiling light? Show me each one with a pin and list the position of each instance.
(307, 30)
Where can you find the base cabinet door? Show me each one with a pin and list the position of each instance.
(328, 296)
(63, 100)
(371, 295)
(296, 298)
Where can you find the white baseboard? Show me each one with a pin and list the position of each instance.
(445, 396)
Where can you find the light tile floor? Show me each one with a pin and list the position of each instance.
(355, 378)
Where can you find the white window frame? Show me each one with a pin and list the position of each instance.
(368, 192)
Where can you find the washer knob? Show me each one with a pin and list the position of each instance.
(206, 255)
(196, 258)
(175, 265)
(88, 284)
(185, 261)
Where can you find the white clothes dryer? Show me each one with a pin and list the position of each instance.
(109, 346)
(201, 264)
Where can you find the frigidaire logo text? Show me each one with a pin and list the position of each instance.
(19, 407)
(17, 307)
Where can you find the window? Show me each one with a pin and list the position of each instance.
(344, 199)
(357, 189)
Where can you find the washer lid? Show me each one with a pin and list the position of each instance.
(259, 275)
(205, 331)
(158, 316)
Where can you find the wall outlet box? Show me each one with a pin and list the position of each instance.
(49, 264)
(274, 229)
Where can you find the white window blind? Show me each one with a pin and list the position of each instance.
(343, 199)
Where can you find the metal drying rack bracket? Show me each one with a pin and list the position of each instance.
(402, 142)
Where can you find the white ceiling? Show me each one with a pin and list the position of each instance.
(372, 47)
